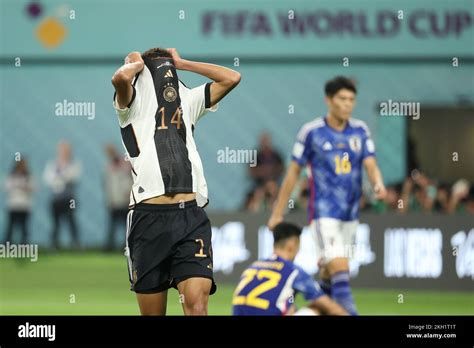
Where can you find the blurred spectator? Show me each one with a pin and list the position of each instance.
(441, 203)
(19, 186)
(61, 176)
(269, 163)
(266, 176)
(254, 202)
(470, 201)
(262, 197)
(459, 196)
(420, 193)
(117, 185)
(392, 198)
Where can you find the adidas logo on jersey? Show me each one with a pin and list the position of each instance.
(327, 146)
(169, 74)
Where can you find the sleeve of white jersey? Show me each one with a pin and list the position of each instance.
(127, 114)
(200, 102)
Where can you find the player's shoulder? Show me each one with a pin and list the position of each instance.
(143, 82)
(143, 77)
(359, 125)
(183, 89)
(311, 126)
(190, 94)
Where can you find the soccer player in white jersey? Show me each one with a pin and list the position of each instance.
(168, 242)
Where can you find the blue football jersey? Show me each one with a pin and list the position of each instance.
(269, 287)
(334, 159)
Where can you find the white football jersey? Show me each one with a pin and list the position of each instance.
(163, 162)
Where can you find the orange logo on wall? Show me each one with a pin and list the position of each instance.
(51, 32)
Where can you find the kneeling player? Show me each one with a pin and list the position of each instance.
(269, 287)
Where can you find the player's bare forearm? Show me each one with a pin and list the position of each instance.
(123, 77)
(225, 79)
(284, 194)
(375, 177)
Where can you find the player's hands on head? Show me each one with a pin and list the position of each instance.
(273, 221)
(178, 61)
(134, 57)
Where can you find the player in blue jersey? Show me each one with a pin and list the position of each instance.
(269, 287)
(334, 148)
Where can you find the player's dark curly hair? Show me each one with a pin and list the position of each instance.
(283, 231)
(156, 53)
(336, 84)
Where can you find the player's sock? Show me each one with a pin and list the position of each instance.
(341, 291)
(325, 285)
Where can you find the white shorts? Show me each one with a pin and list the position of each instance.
(334, 238)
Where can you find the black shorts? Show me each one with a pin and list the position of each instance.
(166, 244)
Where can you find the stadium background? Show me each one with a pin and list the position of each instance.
(281, 67)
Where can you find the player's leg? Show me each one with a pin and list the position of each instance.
(324, 279)
(9, 229)
(148, 242)
(56, 215)
(153, 304)
(70, 216)
(24, 227)
(341, 292)
(194, 294)
(324, 276)
(334, 242)
(109, 244)
(191, 268)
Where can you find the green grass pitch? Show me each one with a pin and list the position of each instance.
(94, 283)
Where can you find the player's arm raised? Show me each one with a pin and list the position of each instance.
(375, 177)
(123, 77)
(291, 178)
(225, 79)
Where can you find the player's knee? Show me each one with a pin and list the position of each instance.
(197, 309)
(338, 264)
(196, 306)
(196, 303)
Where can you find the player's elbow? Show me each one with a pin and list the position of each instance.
(120, 78)
(234, 79)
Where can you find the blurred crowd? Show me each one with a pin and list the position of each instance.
(61, 175)
(417, 193)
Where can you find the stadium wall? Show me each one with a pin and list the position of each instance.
(414, 251)
(283, 63)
